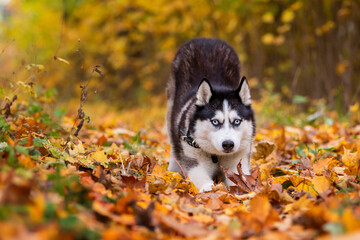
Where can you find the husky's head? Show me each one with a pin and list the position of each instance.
(223, 121)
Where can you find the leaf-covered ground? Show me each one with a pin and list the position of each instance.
(111, 182)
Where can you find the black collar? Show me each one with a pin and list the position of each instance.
(191, 141)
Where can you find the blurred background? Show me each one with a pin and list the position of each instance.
(298, 52)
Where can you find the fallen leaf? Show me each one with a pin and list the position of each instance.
(351, 162)
(194, 230)
(320, 183)
(263, 149)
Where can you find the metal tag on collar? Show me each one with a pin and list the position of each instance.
(189, 140)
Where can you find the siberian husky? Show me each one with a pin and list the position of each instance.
(209, 117)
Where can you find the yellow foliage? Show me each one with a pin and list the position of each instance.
(287, 16)
(325, 28)
(296, 6)
(26, 87)
(268, 38)
(268, 17)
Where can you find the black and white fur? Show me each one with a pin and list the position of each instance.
(210, 104)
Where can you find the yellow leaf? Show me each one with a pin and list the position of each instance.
(296, 6)
(100, 157)
(85, 162)
(159, 171)
(232, 211)
(27, 88)
(268, 17)
(260, 207)
(325, 28)
(263, 149)
(203, 218)
(26, 161)
(70, 160)
(350, 222)
(351, 162)
(32, 65)
(287, 16)
(50, 159)
(342, 67)
(36, 210)
(267, 39)
(143, 205)
(307, 188)
(321, 165)
(75, 150)
(354, 108)
(284, 28)
(302, 204)
(320, 183)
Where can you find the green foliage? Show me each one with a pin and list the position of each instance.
(299, 99)
(4, 127)
(6, 210)
(335, 228)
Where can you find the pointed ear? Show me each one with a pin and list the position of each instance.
(204, 93)
(244, 92)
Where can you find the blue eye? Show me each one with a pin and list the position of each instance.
(237, 122)
(215, 122)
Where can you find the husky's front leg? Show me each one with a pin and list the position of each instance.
(245, 165)
(232, 166)
(201, 178)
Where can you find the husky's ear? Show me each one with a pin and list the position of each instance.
(204, 93)
(244, 92)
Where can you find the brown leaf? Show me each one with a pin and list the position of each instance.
(8, 106)
(132, 181)
(193, 230)
(263, 149)
(244, 183)
(101, 140)
(144, 217)
(214, 203)
(15, 189)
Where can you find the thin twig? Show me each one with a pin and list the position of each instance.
(300, 165)
(122, 162)
(177, 163)
(295, 80)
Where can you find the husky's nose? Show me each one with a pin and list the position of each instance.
(228, 145)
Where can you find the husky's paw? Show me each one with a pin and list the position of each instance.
(206, 187)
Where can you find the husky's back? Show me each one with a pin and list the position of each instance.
(200, 58)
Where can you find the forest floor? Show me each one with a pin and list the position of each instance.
(65, 177)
